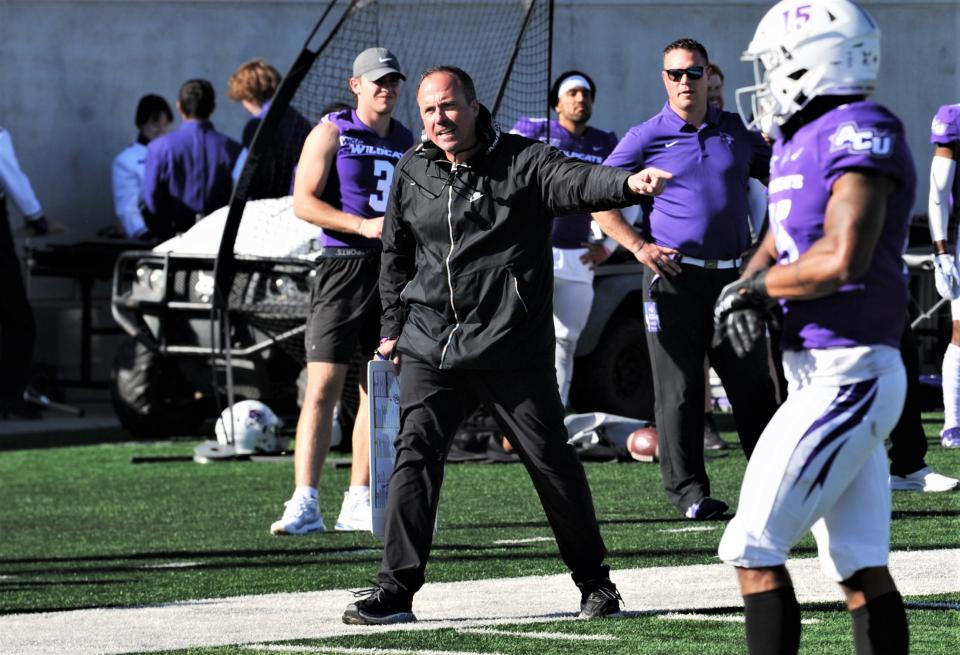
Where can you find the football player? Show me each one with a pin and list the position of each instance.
(575, 251)
(944, 191)
(341, 185)
(842, 186)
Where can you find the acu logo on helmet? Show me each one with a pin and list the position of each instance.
(852, 139)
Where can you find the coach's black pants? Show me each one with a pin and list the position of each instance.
(526, 405)
(908, 441)
(17, 329)
(684, 310)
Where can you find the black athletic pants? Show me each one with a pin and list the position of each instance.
(679, 315)
(908, 441)
(17, 329)
(526, 405)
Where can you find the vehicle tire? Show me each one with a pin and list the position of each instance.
(150, 396)
(616, 377)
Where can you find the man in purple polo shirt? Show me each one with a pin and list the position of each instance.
(187, 173)
(575, 251)
(693, 238)
(842, 185)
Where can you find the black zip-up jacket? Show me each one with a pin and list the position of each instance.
(467, 269)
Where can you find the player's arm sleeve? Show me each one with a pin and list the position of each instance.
(126, 198)
(942, 173)
(397, 263)
(15, 182)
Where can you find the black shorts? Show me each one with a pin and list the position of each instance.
(344, 308)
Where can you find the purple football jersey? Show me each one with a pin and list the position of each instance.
(946, 130)
(865, 137)
(360, 182)
(573, 230)
(703, 210)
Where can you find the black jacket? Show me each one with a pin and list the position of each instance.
(467, 269)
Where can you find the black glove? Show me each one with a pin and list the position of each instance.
(741, 312)
(38, 225)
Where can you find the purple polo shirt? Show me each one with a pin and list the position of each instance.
(573, 230)
(703, 211)
(359, 184)
(864, 137)
(188, 172)
(944, 131)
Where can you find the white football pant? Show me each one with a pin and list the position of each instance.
(820, 464)
(572, 298)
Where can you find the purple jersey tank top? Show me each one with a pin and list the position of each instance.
(359, 184)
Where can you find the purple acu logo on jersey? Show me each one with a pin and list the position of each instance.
(855, 140)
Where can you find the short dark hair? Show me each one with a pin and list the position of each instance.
(554, 97)
(197, 99)
(465, 81)
(149, 106)
(690, 45)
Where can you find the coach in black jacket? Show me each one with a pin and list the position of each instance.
(466, 286)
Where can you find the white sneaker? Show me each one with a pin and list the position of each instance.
(926, 479)
(301, 516)
(355, 513)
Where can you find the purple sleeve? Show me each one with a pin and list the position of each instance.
(946, 125)
(870, 141)
(528, 128)
(628, 153)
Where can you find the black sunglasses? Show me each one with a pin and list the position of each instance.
(676, 74)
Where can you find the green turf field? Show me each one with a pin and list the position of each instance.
(83, 527)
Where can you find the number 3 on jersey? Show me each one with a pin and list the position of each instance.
(383, 171)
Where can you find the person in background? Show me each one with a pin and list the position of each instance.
(576, 250)
(17, 327)
(152, 119)
(342, 185)
(253, 85)
(187, 174)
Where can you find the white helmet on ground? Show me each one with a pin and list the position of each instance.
(808, 48)
(254, 428)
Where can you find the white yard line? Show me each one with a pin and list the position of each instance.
(340, 650)
(694, 528)
(479, 603)
(568, 636)
(513, 542)
(719, 618)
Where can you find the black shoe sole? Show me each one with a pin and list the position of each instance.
(353, 616)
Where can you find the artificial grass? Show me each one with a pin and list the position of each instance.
(83, 527)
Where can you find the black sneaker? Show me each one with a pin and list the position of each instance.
(600, 601)
(706, 509)
(379, 607)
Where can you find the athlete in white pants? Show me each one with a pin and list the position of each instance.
(945, 136)
(842, 185)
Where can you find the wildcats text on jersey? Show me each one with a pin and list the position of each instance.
(358, 147)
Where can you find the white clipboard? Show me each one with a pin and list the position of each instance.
(383, 390)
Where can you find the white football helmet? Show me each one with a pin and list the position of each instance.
(803, 49)
(254, 428)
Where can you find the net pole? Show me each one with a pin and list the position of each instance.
(549, 62)
(513, 58)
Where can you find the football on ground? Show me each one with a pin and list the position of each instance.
(644, 445)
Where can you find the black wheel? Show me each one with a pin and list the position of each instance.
(150, 396)
(616, 376)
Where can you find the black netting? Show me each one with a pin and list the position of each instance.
(503, 44)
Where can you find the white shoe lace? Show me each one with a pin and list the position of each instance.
(299, 507)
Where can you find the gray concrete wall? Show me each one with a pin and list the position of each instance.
(71, 73)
